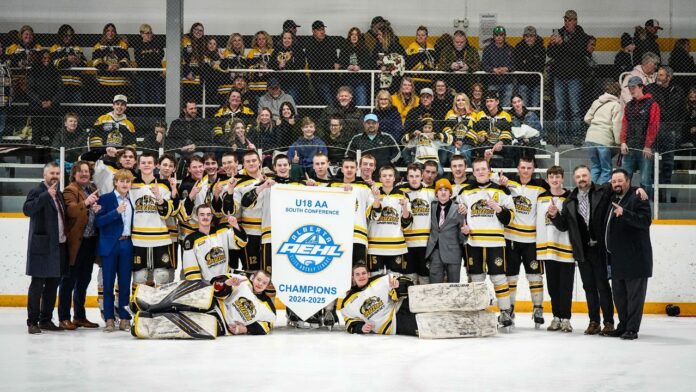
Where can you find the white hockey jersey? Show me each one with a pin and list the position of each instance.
(251, 214)
(385, 228)
(376, 303)
(104, 175)
(486, 229)
(149, 220)
(551, 243)
(257, 312)
(363, 206)
(188, 222)
(523, 227)
(206, 256)
(420, 199)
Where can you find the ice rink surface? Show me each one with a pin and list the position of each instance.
(662, 359)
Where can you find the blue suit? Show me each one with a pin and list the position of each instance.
(116, 255)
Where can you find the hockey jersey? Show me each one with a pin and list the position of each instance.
(59, 55)
(417, 234)
(495, 128)
(263, 202)
(523, 227)
(459, 127)
(457, 189)
(385, 228)
(188, 222)
(229, 59)
(551, 243)
(149, 219)
(252, 210)
(376, 303)
(256, 311)
(105, 55)
(206, 256)
(487, 227)
(425, 147)
(363, 206)
(258, 60)
(113, 132)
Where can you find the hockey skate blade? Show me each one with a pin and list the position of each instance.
(448, 297)
(448, 325)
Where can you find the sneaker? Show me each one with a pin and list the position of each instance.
(608, 329)
(565, 326)
(33, 329)
(593, 328)
(555, 324)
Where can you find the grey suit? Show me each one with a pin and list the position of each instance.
(444, 249)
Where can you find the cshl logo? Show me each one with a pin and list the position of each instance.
(310, 249)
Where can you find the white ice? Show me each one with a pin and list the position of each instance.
(662, 359)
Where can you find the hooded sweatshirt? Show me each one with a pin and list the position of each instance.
(604, 120)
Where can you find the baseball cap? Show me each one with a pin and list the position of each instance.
(635, 81)
(427, 90)
(120, 97)
(370, 117)
(653, 23)
(571, 14)
(318, 25)
(491, 94)
(443, 183)
(377, 20)
(530, 30)
(290, 24)
(498, 30)
(273, 82)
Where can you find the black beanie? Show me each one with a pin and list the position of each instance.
(626, 40)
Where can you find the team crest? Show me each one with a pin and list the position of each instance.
(534, 264)
(371, 306)
(498, 261)
(420, 207)
(310, 249)
(245, 308)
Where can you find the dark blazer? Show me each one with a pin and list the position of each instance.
(43, 251)
(569, 217)
(77, 218)
(448, 238)
(628, 238)
(108, 221)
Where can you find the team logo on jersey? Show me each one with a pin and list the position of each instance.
(216, 255)
(310, 249)
(371, 306)
(420, 207)
(522, 204)
(146, 203)
(498, 261)
(245, 308)
(534, 264)
(480, 208)
(389, 215)
(165, 258)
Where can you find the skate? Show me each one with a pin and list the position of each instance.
(505, 321)
(512, 311)
(555, 325)
(538, 317)
(329, 319)
(565, 326)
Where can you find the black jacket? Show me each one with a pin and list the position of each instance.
(645, 42)
(383, 147)
(43, 250)
(568, 55)
(628, 238)
(531, 59)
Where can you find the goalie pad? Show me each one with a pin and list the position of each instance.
(182, 325)
(447, 325)
(448, 297)
(185, 295)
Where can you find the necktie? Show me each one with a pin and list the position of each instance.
(584, 207)
(442, 216)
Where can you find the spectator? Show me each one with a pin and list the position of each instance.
(623, 61)
(425, 143)
(231, 57)
(443, 99)
(646, 71)
(477, 102)
(646, 40)
(47, 252)
(670, 98)
(288, 128)
(303, 150)
(382, 146)
(493, 131)
(259, 58)
(370, 36)
(154, 140)
(291, 26)
(688, 134)
(404, 100)
(639, 129)
(239, 139)
(680, 59)
(530, 56)
(274, 97)
(460, 57)
(590, 81)
(66, 54)
(389, 48)
(249, 99)
(193, 47)
(603, 133)
(211, 73)
(497, 59)
(45, 91)
(22, 54)
(525, 146)
(188, 132)
(81, 207)
(355, 56)
(459, 122)
(423, 110)
(149, 54)
(74, 140)
(109, 55)
(288, 56)
(345, 109)
(114, 129)
(264, 134)
(336, 141)
(5, 91)
(321, 55)
(387, 115)
(567, 48)
(421, 56)
(233, 109)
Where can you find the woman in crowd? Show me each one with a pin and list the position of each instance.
(388, 46)
(288, 56)
(389, 118)
(405, 99)
(239, 140)
(45, 92)
(688, 137)
(477, 102)
(264, 134)
(213, 76)
(149, 53)
(232, 57)
(604, 120)
(288, 128)
(259, 58)
(355, 56)
(520, 115)
(193, 46)
(109, 55)
(66, 54)
(458, 123)
(681, 59)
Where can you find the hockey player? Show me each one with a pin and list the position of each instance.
(368, 165)
(459, 180)
(194, 191)
(520, 235)
(489, 209)
(222, 188)
(373, 305)
(321, 175)
(430, 169)
(114, 128)
(553, 247)
(152, 205)
(206, 250)
(416, 235)
(248, 310)
(250, 211)
(167, 173)
(389, 215)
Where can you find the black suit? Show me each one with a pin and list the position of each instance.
(589, 248)
(630, 254)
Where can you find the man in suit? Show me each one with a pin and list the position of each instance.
(629, 253)
(115, 222)
(81, 208)
(447, 236)
(46, 254)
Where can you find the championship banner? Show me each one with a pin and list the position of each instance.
(312, 245)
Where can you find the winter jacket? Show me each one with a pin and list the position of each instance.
(641, 123)
(569, 54)
(604, 119)
(645, 42)
(494, 57)
(637, 71)
(681, 61)
(352, 118)
(469, 55)
(390, 122)
(530, 59)
(623, 62)
(383, 147)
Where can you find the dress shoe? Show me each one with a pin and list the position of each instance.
(33, 329)
(109, 327)
(49, 326)
(124, 325)
(615, 333)
(593, 328)
(608, 328)
(84, 323)
(629, 335)
(67, 325)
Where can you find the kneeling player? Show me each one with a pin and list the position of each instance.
(248, 310)
(374, 305)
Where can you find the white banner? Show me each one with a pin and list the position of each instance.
(312, 244)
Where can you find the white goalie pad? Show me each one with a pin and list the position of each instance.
(448, 325)
(185, 295)
(448, 297)
(182, 325)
